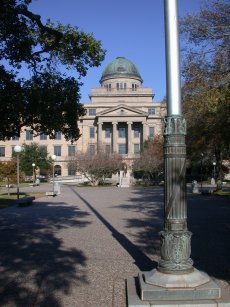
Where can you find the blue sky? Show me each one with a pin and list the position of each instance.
(133, 29)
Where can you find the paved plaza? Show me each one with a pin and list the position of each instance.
(78, 249)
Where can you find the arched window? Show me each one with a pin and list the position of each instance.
(57, 170)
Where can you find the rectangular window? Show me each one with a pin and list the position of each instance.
(134, 87)
(43, 137)
(57, 150)
(29, 135)
(71, 171)
(43, 148)
(108, 86)
(108, 149)
(122, 132)
(122, 149)
(151, 132)
(91, 132)
(136, 132)
(92, 150)
(151, 111)
(121, 86)
(108, 132)
(71, 150)
(15, 138)
(92, 112)
(2, 151)
(58, 135)
(136, 148)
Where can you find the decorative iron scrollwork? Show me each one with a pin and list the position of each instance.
(175, 252)
(175, 125)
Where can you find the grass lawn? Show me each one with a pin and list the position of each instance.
(223, 193)
(9, 200)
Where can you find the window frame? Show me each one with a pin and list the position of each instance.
(151, 135)
(71, 171)
(29, 135)
(2, 151)
(55, 150)
(136, 132)
(43, 136)
(71, 154)
(92, 132)
(107, 132)
(135, 146)
(57, 135)
(122, 134)
(92, 111)
(152, 111)
(121, 86)
(122, 152)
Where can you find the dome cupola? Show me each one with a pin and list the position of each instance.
(120, 68)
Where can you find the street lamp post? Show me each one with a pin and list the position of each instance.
(214, 170)
(201, 172)
(53, 158)
(17, 150)
(175, 279)
(33, 165)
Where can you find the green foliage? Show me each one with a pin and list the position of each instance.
(34, 154)
(8, 171)
(48, 101)
(206, 90)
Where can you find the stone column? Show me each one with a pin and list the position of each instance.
(99, 135)
(144, 129)
(114, 137)
(130, 149)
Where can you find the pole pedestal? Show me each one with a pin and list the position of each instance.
(175, 281)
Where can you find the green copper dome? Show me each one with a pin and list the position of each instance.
(120, 68)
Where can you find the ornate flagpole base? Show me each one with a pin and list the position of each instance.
(175, 282)
(175, 252)
(141, 294)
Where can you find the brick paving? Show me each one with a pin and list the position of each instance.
(77, 249)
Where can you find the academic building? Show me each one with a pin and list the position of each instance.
(120, 116)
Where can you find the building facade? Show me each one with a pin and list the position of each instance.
(120, 116)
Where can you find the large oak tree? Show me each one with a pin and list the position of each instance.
(206, 89)
(48, 100)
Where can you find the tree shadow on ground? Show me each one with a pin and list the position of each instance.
(148, 222)
(36, 269)
(142, 261)
(208, 220)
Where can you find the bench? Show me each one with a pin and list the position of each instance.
(51, 194)
(206, 191)
(25, 201)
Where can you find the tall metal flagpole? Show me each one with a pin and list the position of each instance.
(175, 247)
(175, 278)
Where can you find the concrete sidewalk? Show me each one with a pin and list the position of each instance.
(77, 249)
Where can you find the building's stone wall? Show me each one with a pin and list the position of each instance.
(115, 108)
